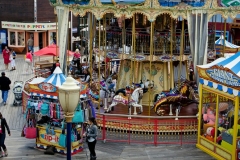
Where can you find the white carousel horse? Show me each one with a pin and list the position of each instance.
(133, 100)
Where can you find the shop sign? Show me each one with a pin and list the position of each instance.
(50, 138)
(224, 77)
(28, 26)
(47, 87)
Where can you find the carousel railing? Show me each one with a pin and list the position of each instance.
(147, 130)
(161, 41)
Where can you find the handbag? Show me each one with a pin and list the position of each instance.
(31, 132)
(78, 115)
(62, 137)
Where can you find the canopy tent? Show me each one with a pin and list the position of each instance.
(229, 47)
(231, 63)
(221, 42)
(57, 78)
(51, 50)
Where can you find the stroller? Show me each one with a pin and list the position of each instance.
(17, 91)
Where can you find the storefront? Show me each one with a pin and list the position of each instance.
(219, 123)
(43, 34)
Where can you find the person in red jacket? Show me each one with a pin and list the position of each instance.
(28, 60)
(6, 56)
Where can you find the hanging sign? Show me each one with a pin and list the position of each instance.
(223, 77)
(47, 87)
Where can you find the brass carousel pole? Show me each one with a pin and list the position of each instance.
(104, 45)
(133, 30)
(99, 57)
(91, 44)
(171, 62)
(224, 45)
(134, 47)
(181, 53)
(151, 54)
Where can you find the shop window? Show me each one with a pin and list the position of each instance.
(12, 38)
(52, 38)
(21, 38)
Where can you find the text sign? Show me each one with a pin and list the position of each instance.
(50, 138)
(224, 77)
(47, 87)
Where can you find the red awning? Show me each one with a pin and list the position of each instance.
(50, 51)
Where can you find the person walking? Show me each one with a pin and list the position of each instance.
(3, 127)
(5, 87)
(30, 44)
(91, 137)
(12, 59)
(28, 60)
(76, 58)
(6, 56)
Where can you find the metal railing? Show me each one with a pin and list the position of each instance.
(147, 130)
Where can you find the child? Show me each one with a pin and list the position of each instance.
(12, 59)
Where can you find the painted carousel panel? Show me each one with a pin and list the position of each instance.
(228, 3)
(172, 3)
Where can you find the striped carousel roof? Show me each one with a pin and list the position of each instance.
(232, 63)
(57, 78)
(221, 41)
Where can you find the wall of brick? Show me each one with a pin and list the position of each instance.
(23, 11)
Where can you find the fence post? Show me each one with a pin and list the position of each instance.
(104, 128)
(155, 132)
(129, 131)
(181, 138)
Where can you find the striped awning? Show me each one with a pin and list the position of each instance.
(220, 87)
(221, 41)
(57, 78)
(43, 95)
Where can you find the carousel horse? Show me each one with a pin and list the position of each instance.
(181, 95)
(145, 86)
(131, 100)
(104, 88)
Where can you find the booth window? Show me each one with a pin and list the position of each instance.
(12, 38)
(218, 120)
(21, 39)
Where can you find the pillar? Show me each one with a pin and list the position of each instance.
(26, 39)
(36, 41)
(44, 39)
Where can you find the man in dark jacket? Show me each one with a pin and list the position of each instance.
(3, 128)
(5, 87)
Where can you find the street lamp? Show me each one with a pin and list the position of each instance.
(68, 95)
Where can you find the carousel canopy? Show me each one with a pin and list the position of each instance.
(231, 63)
(221, 42)
(37, 80)
(57, 78)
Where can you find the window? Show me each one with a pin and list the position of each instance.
(12, 38)
(21, 39)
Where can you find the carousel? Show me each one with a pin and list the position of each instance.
(157, 45)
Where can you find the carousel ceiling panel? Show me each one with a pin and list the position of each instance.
(172, 3)
(150, 8)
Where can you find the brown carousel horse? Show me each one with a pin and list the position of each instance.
(182, 95)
